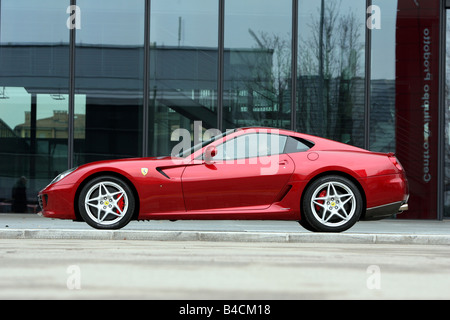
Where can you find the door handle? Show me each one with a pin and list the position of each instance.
(283, 162)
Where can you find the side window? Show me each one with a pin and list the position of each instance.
(251, 145)
(297, 145)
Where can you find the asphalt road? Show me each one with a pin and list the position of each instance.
(125, 269)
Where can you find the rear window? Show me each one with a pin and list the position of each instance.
(294, 144)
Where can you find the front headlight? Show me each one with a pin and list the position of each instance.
(63, 175)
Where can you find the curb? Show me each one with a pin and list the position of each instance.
(217, 236)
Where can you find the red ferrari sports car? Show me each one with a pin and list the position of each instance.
(247, 173)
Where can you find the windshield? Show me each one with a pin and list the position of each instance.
(188, 152)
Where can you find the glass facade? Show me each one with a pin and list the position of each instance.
(382, 80)
(257, 63)
(109, 73)
(34, 87)
(331, 69)
(84, 80)
(183, 70)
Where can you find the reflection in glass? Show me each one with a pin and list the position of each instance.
(330, 79)
(34, 57)
(382, 90)
(183, 70)
(257, 63)
(109, 80)
(250, 146)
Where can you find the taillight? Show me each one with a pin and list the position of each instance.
(395, 161)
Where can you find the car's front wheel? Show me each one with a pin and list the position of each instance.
(106, 202)
(331, 204)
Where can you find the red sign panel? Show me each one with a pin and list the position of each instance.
(417, 102)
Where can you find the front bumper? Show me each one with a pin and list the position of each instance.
(57, 201)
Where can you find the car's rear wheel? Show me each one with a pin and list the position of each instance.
(331, 204)
(106, 202)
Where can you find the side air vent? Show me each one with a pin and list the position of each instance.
(162, 172)
(283, 193)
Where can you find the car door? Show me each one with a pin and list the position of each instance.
(248, 172)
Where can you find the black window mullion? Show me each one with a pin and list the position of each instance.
(146, 91)
(71, 111)
(294, 62)
(367, 83)
(220, 62)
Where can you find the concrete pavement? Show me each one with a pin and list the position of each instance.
(394, 231)
(201, 270)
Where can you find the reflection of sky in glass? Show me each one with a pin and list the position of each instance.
(19, 100)
(338, 42)
(198, 25)
(267, 16)
(22, 21)
(114, 24)
(383, 41)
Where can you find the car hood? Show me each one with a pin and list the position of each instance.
(148, 161)
(126, 167)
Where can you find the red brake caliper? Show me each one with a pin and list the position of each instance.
(321, 195)
(121, 204)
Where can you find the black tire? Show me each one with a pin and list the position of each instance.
(305, 224)
(331, 204)
(106, 202)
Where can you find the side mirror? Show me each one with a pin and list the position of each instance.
(210, 153)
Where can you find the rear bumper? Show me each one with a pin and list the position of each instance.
(385, 211)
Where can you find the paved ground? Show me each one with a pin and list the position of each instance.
(33, 221)
(118, 269)
(42, 258)
(30, 226)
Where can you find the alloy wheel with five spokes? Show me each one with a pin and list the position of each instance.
(331, 204)
(106, 203)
